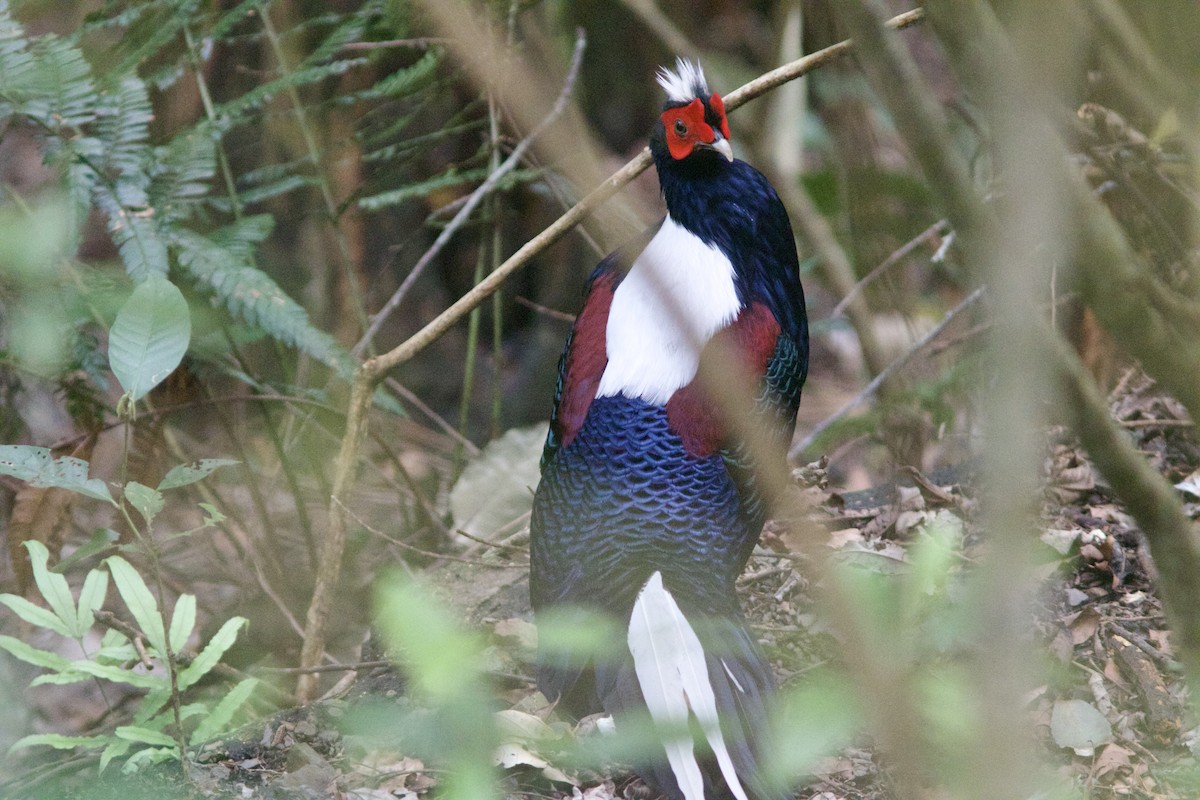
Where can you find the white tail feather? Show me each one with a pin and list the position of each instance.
(671, 670)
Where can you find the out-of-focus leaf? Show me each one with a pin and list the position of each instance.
(57, 741)
(144, 735)
(32, 655)
(496, 488)
(221, 641)
(183, 620)
(37, 466)
(1078, 724)
(149, 336)
(185, 474)
(91, 597)
(222, 713)
(148, 502)
(98, 542)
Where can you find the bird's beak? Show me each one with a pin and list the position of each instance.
(722, 146)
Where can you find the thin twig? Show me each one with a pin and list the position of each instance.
(423, 552)
(355, 667)
(888, 263)
(546, 311)
(420, 42)
(410, 397)
(891, 369)
(484, 189)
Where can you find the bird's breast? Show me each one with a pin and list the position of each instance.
(678, 293)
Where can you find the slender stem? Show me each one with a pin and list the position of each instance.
(879, 380)
(314, 155)
(235, 201)
(472, 203)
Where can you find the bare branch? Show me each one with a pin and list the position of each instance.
(476, 197)
(879, 380)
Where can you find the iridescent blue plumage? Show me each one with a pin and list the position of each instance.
(631, 485)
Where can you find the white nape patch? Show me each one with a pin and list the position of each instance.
(678, 293)
(673, 675)
(686, 83)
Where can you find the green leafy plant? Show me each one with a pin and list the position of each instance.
(147, 341)
(151, 660)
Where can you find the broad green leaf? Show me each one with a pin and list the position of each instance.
(35, 614)
(149, 336)
(101, 540)
(221, 641)
(148, 757)
(213, 515)
(57, 741)
(222, 714)
(37, 466)
(154, 702)
(115, 749)
(115, 648)
(54, 588)
(119, 675)
(91, 597)
(60, 678)
(183, 620)
(184, 474)
(144, 735)
(147, 501)
(32, 655)
(140, 601)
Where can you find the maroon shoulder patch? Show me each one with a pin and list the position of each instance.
(586, 359)
(691, 412)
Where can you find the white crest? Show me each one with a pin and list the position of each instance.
(685, 83)
(678, 293)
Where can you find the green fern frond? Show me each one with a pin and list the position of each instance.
(392, 197)
(282, 186)
(410, 79)
(182, 175)
(417, 143)
(348, 30)
(230, 19)
(49, 82)
(446, 179)
(123, 125)
(149, 34)
(135, 234)
(236, 112)
(250, 294)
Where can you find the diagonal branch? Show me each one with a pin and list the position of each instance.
(485, 189)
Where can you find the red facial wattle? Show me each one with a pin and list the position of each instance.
(719, 106)
(685, 126)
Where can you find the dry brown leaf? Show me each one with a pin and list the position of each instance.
(1084, 626)
(39, 515)
(1112, 757)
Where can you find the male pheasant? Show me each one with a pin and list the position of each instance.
(649, 503)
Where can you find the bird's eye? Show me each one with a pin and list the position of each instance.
(680, 128)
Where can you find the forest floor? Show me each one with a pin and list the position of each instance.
(1096, 619)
